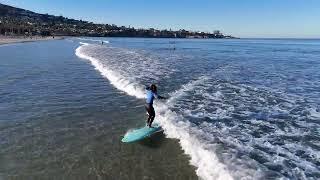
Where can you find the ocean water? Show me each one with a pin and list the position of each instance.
(236, 109)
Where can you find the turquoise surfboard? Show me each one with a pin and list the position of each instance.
(139, 134)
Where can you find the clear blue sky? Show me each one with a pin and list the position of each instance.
(243, 18)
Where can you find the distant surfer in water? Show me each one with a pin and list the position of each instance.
(151, 94)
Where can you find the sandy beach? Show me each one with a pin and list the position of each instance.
(18, 39)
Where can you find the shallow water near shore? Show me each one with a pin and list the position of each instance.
(236, 109)
(61, 120)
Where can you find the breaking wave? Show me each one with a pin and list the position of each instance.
(207, 163)
(93, 40)
(228, 129)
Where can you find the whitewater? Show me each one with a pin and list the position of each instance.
(231, 126)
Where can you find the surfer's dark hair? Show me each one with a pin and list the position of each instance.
(153, 88)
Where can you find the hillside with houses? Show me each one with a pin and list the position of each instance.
(20, 22)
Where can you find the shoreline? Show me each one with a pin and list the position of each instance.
(17, 39)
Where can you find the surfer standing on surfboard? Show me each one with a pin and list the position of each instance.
(151, 94)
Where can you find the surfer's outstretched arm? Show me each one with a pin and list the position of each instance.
(162, 97)
(159, 97)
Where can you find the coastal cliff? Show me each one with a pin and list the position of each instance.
(16, 21)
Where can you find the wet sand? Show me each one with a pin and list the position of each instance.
(18, 39)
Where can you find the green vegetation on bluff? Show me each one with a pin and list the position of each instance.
(16, 21)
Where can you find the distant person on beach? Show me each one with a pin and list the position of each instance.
(151, 94)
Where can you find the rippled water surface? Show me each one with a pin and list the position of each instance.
(236, 109)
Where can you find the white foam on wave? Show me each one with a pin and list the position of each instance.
(271, 118)
(82, 43)
(202, 155)
(131, 88)
(94, 40)
(314, 113)
(187, 87)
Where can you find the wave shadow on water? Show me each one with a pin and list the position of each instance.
(155, 141)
